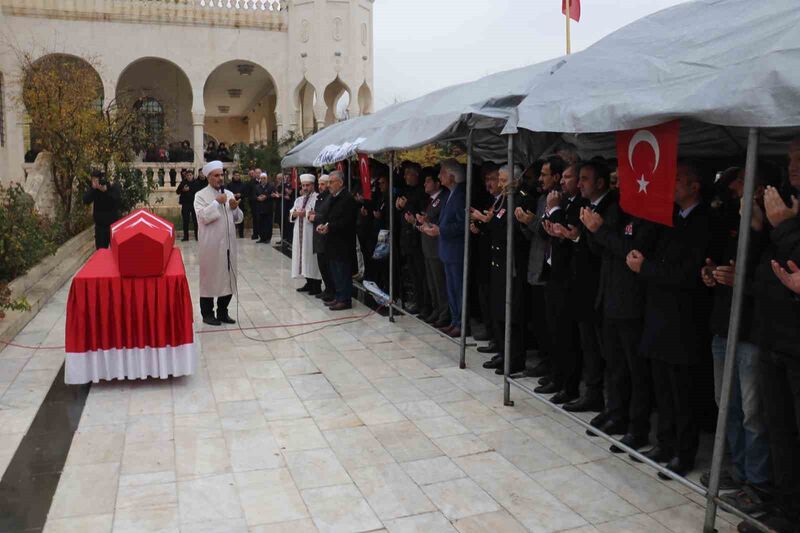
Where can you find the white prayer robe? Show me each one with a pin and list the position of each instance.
(215, 235)
(304, 261)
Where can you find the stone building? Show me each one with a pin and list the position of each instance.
(227, 70)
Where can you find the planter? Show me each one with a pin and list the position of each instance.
(43, 280)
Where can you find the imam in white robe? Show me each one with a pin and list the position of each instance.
(216, 234)
(304, 261)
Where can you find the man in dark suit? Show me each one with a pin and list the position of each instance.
(562, 212)
(450, 231)
(411, 202)
(239, 190)
(675, 315)
(264, 196)
(340, 235)
(484, 206)
(186, 190)
(255, 178)
(318, 217)
(105, 197)
(434, 269)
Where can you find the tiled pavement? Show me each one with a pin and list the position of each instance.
(368, 426)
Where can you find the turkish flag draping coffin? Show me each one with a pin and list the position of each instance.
(142, 244)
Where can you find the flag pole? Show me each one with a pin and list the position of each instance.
(569, 47)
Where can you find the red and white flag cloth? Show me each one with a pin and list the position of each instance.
(294, 178)
(574, 9)
(648, 162)
(364, 174)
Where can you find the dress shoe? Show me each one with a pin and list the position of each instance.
(455, 332)
(511, 371)
(540, 370)
(728, 480)
(254, 237)
(614, 427)
(657, 454)
(211, 321)
(425, 311)
(326, 296)
(185, 239)
(484, 337)
(226, 319)
(563, 397)
(411, 309)
(340, 306)
(585, 404)
(544, 380)
(550, 388)
(304, 288)
(495, 362)
(262, 241)
(775, 520)
(446, 329)
(439, 324)
(631, 441)
(489, 348)
(430, 318)
(314, 291)
(679, 466)
(600, 419)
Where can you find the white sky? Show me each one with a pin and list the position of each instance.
(424, 45)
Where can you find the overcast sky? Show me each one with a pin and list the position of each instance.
(424, 45)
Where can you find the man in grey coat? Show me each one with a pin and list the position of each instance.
(434, 269)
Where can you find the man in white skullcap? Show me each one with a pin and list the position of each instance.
(217, 214)
(304, 262)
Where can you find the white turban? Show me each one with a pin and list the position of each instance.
(324, 178)
(211, 166)
(307, 178)
(263, 175)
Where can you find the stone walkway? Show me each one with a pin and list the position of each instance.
(361, 427)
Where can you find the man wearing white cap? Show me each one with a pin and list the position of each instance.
(217, 213)
(304, 262)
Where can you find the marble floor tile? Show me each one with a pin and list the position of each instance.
(147, 457)
(261, 369)
(150, 399)
(148, 495)
(332, 414)
(421, 409)
(201, 457)
(640, 523)
(561, 440)
(340, 509)
(162, 519)
(96, 444)
(241, 416)
(422, 523)
(357, 447)
(234, 525)
(305, 525)
(312, 387)
(443, 426)
(269, 496)
(316, 468)
(296, 366)
(459, 498)
(97, 523)
(198, 425)
(390, 492)
(232, 389)
(458, 445)
(85, 490)
(208, 498)
(436, 470)
(688, 518)
(285, 409)
(405, 442)
(497, 521)
(273, 388)
(523, 450)
(300, 434)
(149, 428)
(253, 449)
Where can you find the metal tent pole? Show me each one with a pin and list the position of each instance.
(733, 329)
(283, 194)
(462, 360)
(391, 238)
(349, 174)
(509, 268)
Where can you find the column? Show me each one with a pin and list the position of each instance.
(15, 123)
(198, 125)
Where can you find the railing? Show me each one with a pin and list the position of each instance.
(161, 172)
(252, 5)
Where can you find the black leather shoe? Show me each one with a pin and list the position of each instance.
(550, 388)
(411, 309)
(610, 427)
(562, 397)
(494, 363)
(185, 239)
(631, 441)
(226, 319)
(585, 404)
(326, 295)
(304, 288)
(544, 380)
(314, 291)
(484, 337)
(211, 321)
(254, 237)
(657, 454)
(489, 348)
(425, 311)
(540, 370)
(511, 371)
(600, 419)
(679, 466)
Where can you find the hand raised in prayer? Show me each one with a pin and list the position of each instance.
(421, 219)
(311, 216)
(300, 213)
(261, 197)
(790, 280)
(222, 198)
(185, 188)
(524, 216)
(567, 232)
(549, 229)
(276, 195)
(635, 260)
(777, 210)
(473, 228)
(707, 273)
(431, 230)
(553, 199)
(401, 202)
(364, 212)
(757, 220)
(322, 229)
(591, 219)
(725, 274)
(377, 214)
(408, 217)
(233, 203)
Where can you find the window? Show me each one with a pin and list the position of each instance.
(153, 117)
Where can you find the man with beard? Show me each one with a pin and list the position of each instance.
(318, 216)
(304, 263)
(239, 190)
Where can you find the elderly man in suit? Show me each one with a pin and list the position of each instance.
(340, 245)
(450, 231)
(434, 269)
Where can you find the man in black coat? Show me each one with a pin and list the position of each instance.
(318, 217)
(255, 178)
(239, 190)
(675, 319)
(264, 194)
(105, 198)
(340, 245)
(410, 203)
(186, 190)
(434, 269)
(484, 201)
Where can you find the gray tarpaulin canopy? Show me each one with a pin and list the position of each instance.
(444, 114)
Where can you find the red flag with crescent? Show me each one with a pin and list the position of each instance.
(340, 166)
(648, 163)
(574, 9)
(294, 178)
(366, 179)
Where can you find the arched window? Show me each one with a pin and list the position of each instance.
(152, 114)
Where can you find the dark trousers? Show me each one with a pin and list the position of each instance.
(628, 380)
(566, 356)
(255, 216)
(207, 306)
(591, 358)
(265, 226)
(677, 429)
(189, 218)
(538, 321)
(240, 229)
(779, 378)
(437, 288)
(454, 278)
(484, 301)
(102, 235)
(342, 273)
(517, 342)
(416, 269)
(325, 271)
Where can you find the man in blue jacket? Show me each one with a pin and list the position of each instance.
(451, 239)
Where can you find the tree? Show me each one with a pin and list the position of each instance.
(70, 118)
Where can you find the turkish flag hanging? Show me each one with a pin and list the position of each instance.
(294, 178)
(648, 163)
(366, 179)
(574, 9)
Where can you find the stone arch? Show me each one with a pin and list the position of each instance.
(305, 99)
(337, 100)
(159, 79)
(364, 99)
(237, 93)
